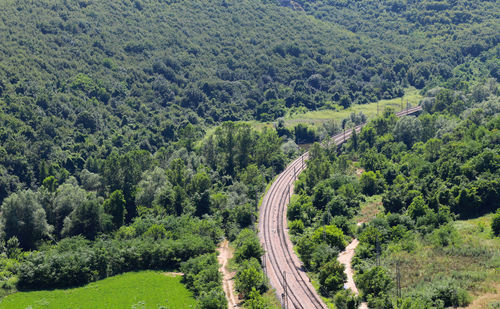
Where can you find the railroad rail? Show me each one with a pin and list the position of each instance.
(283, 267)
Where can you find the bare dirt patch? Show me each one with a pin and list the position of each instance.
(173, 274)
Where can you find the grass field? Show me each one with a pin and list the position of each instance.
(147, 289)
(370, 110)
(471, 263)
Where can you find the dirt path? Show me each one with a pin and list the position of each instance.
(345, 257)
(225, 254)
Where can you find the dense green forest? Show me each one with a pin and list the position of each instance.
(81, 79)
(123, 144)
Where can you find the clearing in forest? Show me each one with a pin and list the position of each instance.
(146, 289)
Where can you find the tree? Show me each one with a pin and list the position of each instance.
(331, 235)
(115, 206)
(418, 208)
(345, 101)
(255, 300)
(249, 277)
(123, 172)
(84, 220)
(23, 217)
(149, 187)
(369, 183)
(375, 282)
(68, 197)
(323, 193)
(408, 130)
(247, 246)
(332, 277)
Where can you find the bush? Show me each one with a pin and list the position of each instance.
(331, 235)
(247, 246)
(332, 277)
(345, 299)
(250, 277)
(495, 224)
(202, 276)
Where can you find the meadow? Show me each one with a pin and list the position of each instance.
(317, 117)
(470, 260)
(146, 289)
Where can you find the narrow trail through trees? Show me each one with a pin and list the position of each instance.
(345, 258)
(225, 254)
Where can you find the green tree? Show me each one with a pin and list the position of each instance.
(408, 130)
(250, 277)
(123, 172)
(331, 277)
(331, 235)
(24, 218)
(84, 220)
(375, 282)
(368, 183)
(115, 206)
(345, 101)
(68, 197)
(247, 246)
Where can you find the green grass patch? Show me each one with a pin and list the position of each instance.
(472, 262)
(146, 289)
(369, 209)
(318, 117)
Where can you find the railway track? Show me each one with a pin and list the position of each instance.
(283, 267)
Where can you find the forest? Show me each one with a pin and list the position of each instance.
(138, 134)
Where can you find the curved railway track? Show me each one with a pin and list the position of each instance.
(281, 264)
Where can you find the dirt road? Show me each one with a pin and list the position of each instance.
(345, 257)
(225, 254)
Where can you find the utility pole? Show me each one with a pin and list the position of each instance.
(285, 291)
(398, 279)
(264, 261)
(378, 251)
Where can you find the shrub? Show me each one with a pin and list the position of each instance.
(495, 224)
(345, 299)
(250, 276)
(332, 277)
(247, 246)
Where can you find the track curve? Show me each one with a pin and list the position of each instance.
(283, 267)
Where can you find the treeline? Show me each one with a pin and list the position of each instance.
(139, 210)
